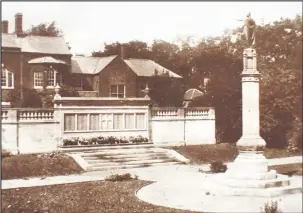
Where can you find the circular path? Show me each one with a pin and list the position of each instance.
(186, 188)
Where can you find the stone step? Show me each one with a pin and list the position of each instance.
(131, 151)
(106, 147)
(131, 158)
(267, 192)
(125, 156)
(138, 162)
(95, 168)
(261, 184)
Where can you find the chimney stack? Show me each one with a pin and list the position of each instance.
(122, 51)
(18, 24)
(4, 26)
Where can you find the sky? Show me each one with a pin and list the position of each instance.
(88, 25)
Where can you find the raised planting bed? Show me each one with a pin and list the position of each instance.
(103, 141)
(200, 154)
(89, 197)
(38, 165)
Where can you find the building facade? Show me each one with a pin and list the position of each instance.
(40, 63)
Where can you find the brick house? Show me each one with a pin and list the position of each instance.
(115, 76)
(21, 68)
(40, 63)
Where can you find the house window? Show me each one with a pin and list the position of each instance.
(117, 90)
(51, 78)
(38, 79)
(7, 79)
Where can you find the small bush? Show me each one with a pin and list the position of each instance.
(271, 208)
(123, 177)
(217, 167)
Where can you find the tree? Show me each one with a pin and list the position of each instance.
(133, 49)
(45, 29)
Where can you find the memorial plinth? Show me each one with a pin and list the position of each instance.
(249, 175)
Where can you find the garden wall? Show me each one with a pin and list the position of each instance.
(30, 130)
(43, 130)
(183, 125)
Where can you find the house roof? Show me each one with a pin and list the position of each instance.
(94, 65)
(192, 94)
(10, 41)
(90, 65)
(36, 44)
(146, 67)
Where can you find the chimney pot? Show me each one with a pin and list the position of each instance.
(4, 26)
(18, 23)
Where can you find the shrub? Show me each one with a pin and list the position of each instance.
(217, 167)
(103, 140)
(112, 140)
(123, 177)
(271, 208)
(70, 142)
(138, 139)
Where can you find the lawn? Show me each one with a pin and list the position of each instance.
(88, 197)
(34, 165)
(199, 154)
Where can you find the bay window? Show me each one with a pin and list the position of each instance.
(49, 76)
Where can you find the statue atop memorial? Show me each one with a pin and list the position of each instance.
(249, 30)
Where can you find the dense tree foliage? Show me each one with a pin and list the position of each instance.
(45, 29)
(279, 49)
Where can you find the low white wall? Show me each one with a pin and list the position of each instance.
(183, 125)
(200, 131)
(42, 130)
(29, 133)
(167, 130)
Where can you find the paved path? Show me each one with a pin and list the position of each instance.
(148, 173)
(197, 192)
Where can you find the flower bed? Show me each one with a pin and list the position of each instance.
(100, 140)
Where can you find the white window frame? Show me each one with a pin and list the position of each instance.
(47, 79)
(7, 73)
(36, 79)
(54, 79)
(116, 95)
(50, 75)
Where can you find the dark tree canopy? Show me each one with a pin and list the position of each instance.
(45, 29)
(279, 54)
